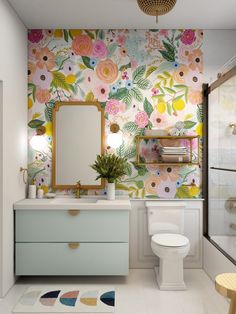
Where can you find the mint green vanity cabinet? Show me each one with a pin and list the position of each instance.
(76, 242)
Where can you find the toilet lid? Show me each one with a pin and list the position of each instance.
(170, 239)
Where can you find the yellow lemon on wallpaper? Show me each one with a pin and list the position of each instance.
(30, 103)
(45, 188)
(194, 190)
(48, 127)
(179, 104)
(199, 129)
(161, 107)
(58, 33)
(70, 79)
(75, 32)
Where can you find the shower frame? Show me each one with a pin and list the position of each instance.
(207, 89)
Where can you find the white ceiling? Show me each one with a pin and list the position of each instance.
(206, 14)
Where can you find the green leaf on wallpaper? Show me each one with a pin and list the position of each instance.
(48, 110)
(128, 100)
(147, 106)
(32, 89)
(66, 35)
(178, 97)
(89, 96)
(169, 109)
(167, 74)
(199, 113)
(139, 132)
(101, 34)
(34, 124)
(170, 90)
(135, 92)
(189, 124)
(86, 61)
(150, 70)
(59, 80)
(167, 55)
(106, 116)
(129, 152)
(179, 86)
(186, 94)
(139, 184)
(120, 186)
(125, 67)
(121, 150)
(120, 94)
(138, 73)
(90, 34)
(130, 127)
(171, 83)
(183, 192)
(144, 84)
(142, 170)
(111, 49)
(128, 169)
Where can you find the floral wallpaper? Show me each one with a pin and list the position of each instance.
(144, 79)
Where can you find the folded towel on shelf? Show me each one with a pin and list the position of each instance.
(175, 158)
(173, 150)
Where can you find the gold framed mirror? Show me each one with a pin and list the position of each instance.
(77, 137)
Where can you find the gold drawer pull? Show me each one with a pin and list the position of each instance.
(73, 245)
(73, 212)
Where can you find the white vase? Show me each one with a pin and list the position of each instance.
(111, 191)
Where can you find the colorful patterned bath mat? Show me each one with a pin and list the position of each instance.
(66, 299)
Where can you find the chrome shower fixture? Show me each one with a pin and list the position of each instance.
(233, 126)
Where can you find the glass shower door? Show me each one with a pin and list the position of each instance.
(222, 163)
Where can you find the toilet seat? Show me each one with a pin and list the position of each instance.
(170, 240)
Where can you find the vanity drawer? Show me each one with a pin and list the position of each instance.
(72, 226)
(61, 259)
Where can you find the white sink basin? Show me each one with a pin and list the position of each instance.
(74, 200)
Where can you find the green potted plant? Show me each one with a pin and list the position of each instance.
(111, 168)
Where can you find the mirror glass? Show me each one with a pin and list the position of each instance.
(78, 129)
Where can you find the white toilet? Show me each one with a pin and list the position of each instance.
(166, 226)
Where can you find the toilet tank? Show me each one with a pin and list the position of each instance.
(165, 217)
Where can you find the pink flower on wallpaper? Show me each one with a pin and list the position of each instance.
(46, 58)
(101, 92)
(112, 106)
(194, 80)
(134, 64)
(166, 189)
(141, 119)
(42, 78)
(99, 49)
(188, 37)
(158, 120)
(68, 68)
(82, 45)
(164, 32)
(121, 39)
(35, 35)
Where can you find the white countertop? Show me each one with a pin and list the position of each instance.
(72, 203)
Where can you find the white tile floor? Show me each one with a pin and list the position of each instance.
(139, 294)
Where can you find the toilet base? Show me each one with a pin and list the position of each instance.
(169, 281)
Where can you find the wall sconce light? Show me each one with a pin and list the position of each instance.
(38, 141)
(114, 139)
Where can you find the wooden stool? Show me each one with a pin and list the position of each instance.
(225, 284)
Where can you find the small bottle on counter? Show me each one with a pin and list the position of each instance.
(32, 191)
(40, 193)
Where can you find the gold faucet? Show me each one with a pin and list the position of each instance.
(78, 187)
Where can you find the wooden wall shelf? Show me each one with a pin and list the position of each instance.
(190, 138)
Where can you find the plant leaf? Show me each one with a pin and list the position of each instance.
(130, 152)
(120, 94)
(101, 34)
(170, 90)
(111, 49)
(183, 192)
(86, 61)
(189, 124)
(59, 80)
(34, 124)
(90, 34)
(144, 83)
(89, 96)
(199, 113)
(167, 56)
(138, 73)
(150, 70)
(130, 127)
(136, 94)
(139, 184)
(125, 67)
(66, 35)
(147, 106)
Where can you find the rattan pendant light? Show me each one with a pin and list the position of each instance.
(156, 7)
